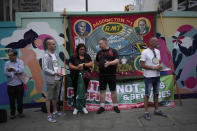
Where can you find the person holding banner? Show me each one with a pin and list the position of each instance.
(107, 59)
(52, 76)
(80, 61)
(150, 62)
(12, 70)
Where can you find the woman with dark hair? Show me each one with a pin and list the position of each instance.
(79, 61)
(29, 38)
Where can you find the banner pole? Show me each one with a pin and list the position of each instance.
(64, 98)
(171, 66)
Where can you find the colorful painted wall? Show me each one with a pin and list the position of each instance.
(31, 30)
(29, 35)
(181, 35)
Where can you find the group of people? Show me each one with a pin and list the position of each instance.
(107, 60)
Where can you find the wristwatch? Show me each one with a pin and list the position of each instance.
(83, 65)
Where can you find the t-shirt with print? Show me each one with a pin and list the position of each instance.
(55, 65)
(107, 55)
(151, 59)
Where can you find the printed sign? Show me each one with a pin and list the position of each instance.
(130, 94)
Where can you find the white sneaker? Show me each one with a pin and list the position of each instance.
(75, 111)
(54, 114)
(51, 119)
(85, 110)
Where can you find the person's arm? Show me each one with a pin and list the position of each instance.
(20, 68)
(45, 67)
(73, 67)
(142, 64)
(114, 62)
(157, 67)
(6, 72)
(89, 64)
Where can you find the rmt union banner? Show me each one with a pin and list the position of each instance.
(128, 34)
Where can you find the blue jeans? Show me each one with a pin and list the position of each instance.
(152, 82)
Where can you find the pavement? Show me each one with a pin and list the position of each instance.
(180, 118)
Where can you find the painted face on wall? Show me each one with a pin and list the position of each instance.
(38, 42)
(142, 26)
(82, 27)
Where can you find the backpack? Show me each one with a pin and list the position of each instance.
(3, 115)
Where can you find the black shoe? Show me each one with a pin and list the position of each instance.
(101, 109)
(12, 116)
(147, 116)
(160, 113)
(116, 109)
(21, 115)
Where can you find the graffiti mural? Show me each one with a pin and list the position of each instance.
(184, 57)
(166, 57)
(30, 43)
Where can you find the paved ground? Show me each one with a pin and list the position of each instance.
(180, 118)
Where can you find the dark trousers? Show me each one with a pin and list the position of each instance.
(16, 92)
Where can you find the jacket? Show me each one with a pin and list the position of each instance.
(49, 71)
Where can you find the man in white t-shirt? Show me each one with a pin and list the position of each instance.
(150, 62)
